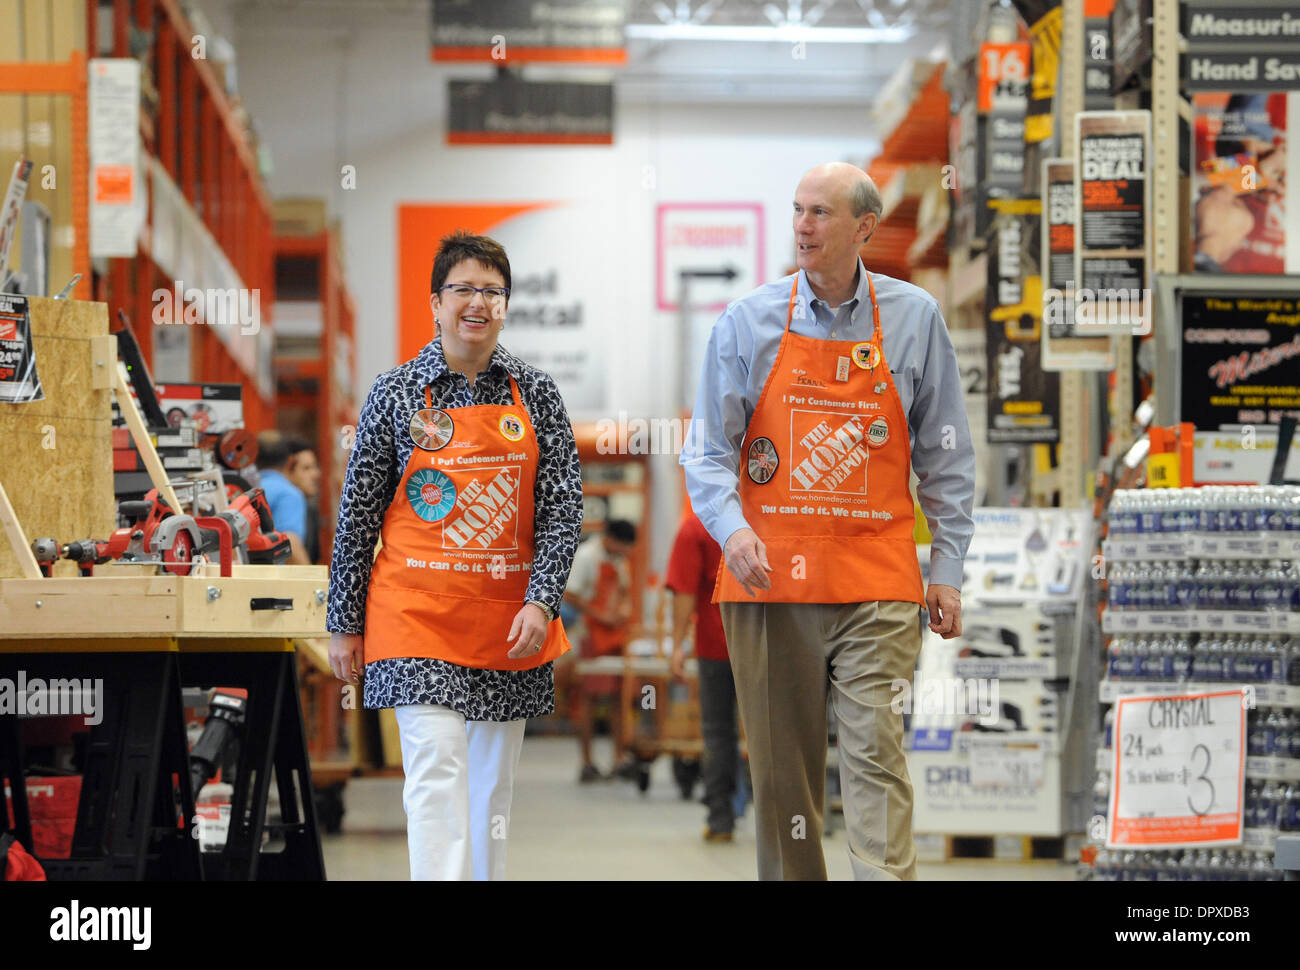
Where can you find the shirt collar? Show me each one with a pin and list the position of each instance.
(861, 296)
(431, 364)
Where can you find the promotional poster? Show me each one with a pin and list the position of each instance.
(1064, 347)
(18, 380)
(1113, 197)
(1241, 223)
(1024, 402)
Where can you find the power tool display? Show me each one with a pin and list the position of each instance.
(176, 542)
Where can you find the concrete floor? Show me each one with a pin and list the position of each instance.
(601, 831)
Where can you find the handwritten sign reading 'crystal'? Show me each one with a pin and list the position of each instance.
(1180, 761)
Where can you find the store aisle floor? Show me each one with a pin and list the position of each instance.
(605, 831)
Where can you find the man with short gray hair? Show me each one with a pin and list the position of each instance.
(821, 393)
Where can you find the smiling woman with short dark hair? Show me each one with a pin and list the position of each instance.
(464, 464)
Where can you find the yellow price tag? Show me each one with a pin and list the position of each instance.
(1162, 471)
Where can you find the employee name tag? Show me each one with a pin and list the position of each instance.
(842, 369)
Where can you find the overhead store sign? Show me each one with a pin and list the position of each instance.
(1112, 258)
(116, 204)
(1064, 347)
(714, 249)
(508, 111)
(519, 31)
(1179, 772)
(1024, 400)
(1241, 222)
(1097, 62)
(1231, 47)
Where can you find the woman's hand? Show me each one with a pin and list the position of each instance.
(347, 656)
(527, 632)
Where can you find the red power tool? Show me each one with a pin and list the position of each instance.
(246, 522)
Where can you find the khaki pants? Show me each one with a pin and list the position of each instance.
(787, 659)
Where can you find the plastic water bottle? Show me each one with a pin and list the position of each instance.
(1207, 519)
(1267, 591)
(1117, 661)
(1289, 811)
(1274, 509)
(1284, 736)
(1294, 750)
(1215, 595)
(1182, 658)
(1234, 664)
(1289, 594)
(1207, 660)
(1254, 734)
(1117, 586)
(1291, 508)
(1184, 586)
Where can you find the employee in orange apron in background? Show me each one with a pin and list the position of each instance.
(820, 393)
(600, 589)
(464, 464)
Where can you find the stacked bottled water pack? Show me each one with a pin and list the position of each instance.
(1204, 658)
(1211, 509)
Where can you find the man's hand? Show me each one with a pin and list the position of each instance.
(746, 557)
(347, 656)
(527, 632)
(944, 604)
(677, 663)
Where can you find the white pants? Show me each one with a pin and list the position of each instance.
(460, 776)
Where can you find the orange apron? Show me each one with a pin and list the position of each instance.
(825, 469)
(606, 639)
(458, 541)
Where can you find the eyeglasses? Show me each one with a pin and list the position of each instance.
(463, 291)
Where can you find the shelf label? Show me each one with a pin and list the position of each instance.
(1179, 770)
(1006, 764)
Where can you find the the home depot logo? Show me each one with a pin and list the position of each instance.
(8, 329)
(829, 452)
(486, 513)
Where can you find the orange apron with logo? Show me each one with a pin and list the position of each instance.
(824, 475)
(606, 639)
(458, 542)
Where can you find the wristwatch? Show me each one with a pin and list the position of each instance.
(550, 613)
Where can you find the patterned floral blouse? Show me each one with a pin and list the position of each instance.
(379, 454)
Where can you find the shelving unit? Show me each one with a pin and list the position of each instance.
(201, 177)
(914, 106)
(315, 358)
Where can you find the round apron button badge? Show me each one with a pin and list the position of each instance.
(512, 427)
(431, 494)
(866, 355)
(877, 433)
(431, 428)
(763, 460)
